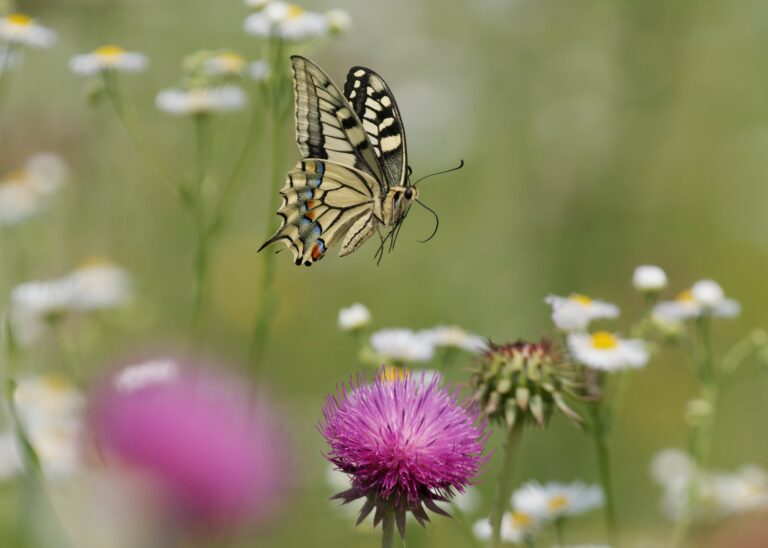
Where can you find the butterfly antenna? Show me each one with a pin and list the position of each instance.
(458, 167)
(437, 221)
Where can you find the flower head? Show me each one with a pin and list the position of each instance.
(203, 100)
(339, 21)
(108, 57)
(455, 337)
(552, 501)
(34, 305)
(649, 279)
(705, 298)
(199, 433)
(354, 317)
(402, 345)
(286, 21)
(27, 192)
(225, 63)
(516, 527)
(18, 28)
(520, 381)
(605, 351)
(575, 312)
(101, 284)
(405, 443)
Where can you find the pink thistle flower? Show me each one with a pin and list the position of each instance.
(405, 443)
(212, 446)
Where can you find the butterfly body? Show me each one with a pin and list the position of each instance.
(353, 179)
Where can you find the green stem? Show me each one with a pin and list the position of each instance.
(268, 298)
(388, 530)
(202, 132)
(504, 485)
(604, 467)
(560, 531)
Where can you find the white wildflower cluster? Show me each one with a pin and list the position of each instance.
(535, 506)
(716, 494)
(601, 350)
(292, 23)
(28, 191)
(50, 411)
(705, 298)
(97, 285)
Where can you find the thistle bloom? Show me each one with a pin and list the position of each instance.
(199, 101)
(605, 351)
(553, 501)
(405, 443)
(402, 345)
(705, 298)
(575, 312)
(455, 337)
(199, 433)
(649, 279)
(18, 28)
(108, 57)
(288, 22)
(516, 527)
(354, 317)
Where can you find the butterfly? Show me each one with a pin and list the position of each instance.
(353, 179)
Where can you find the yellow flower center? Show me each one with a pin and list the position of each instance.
(392, 374)
(294, 11)
(95, 260)
(557, 502)
(685, 296)
(16, 177)
(232, 61)
(56, 383)
(581, 299)
(604, 340)
(109, 51)
(519, 520)
(19, 19)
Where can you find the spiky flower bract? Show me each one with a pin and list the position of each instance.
(404, 442)
(523, 380)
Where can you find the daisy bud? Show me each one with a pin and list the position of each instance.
(354, 318)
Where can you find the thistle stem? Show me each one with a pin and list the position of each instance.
(504, 485)
(604, 468)
(388, 530)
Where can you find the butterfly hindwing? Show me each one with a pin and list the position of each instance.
(326, 125)
(321, 201)
(377, 110)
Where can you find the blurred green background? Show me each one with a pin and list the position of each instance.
(597, 136)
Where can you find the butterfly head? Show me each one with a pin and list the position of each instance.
(397, 202)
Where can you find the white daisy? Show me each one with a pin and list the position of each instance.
(51, 414)
(108, 57)
(182, 102)
(705, 298)
(353, 318)
(671, 465)
(573, 313)
(744, 491)
(338, 20)
(35, 304)
(101, 284)
(286, 21)
(226, 63)
(25, 193)
(402, 345)
(556, 500)
(516, 527)
(18, 28)
(605, 351)
(649, 278)
(259, 70)
(455, 337)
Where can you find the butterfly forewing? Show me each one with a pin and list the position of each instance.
(376, 108)
(326, 125)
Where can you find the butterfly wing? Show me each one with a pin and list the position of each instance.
(327, 128)
(375, 106)
(322, 202)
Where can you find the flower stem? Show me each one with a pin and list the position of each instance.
(604, 467)
(388, 530)
(504, 485)
(202, 131)
(560, 531)
(268, 298)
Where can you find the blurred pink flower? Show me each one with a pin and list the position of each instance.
(201, 434)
